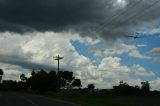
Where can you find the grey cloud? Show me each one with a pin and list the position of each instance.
(87, 17)
(23, 62)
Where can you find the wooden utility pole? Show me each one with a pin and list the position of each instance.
(58, 58)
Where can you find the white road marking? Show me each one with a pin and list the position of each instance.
(30, 101)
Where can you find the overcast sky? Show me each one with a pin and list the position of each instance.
(91, 35)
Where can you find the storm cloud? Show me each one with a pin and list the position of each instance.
(23, 62)
(95, 18)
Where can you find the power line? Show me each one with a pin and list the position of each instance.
(136, 15)
(100, 29)
(114, 16)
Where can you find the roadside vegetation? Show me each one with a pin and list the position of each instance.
(65, 86)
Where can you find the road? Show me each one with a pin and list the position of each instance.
(20, 99)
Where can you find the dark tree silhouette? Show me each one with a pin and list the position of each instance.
(52, 83)
(145, 87)
(76, 83)
(1, 74)
(9, 85)
(65, 79)
(66, 75)
(124, 89)
(91, 87)
(43, 81)
(33, 73)
(23, 77)
(39, 81)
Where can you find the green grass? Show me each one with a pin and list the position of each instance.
(92, 99)
(85, 99)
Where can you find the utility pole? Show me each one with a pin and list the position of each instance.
(58, 58)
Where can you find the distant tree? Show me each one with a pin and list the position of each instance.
(23, 77)
(65, 78)
(145, 87)
(1, 74)
(40, 81)
(90, 87)
(43, 81)
(121, 83)
(33, 73)
(23, 84)
(66, 75)
(42, 72)
(124, 89)
(9, 85)
(76, 83)
(121, 89)
(52, 82)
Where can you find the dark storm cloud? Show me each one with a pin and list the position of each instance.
(106, 18)
(22, 62)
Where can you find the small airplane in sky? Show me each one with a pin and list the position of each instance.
(135, 37)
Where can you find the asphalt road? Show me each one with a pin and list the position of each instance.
(19, 99)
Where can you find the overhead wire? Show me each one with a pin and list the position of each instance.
(144, 10)
(117, 15)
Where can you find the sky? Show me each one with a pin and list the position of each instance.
(95, 37)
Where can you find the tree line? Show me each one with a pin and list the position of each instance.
(42, 81)
(125, 89)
